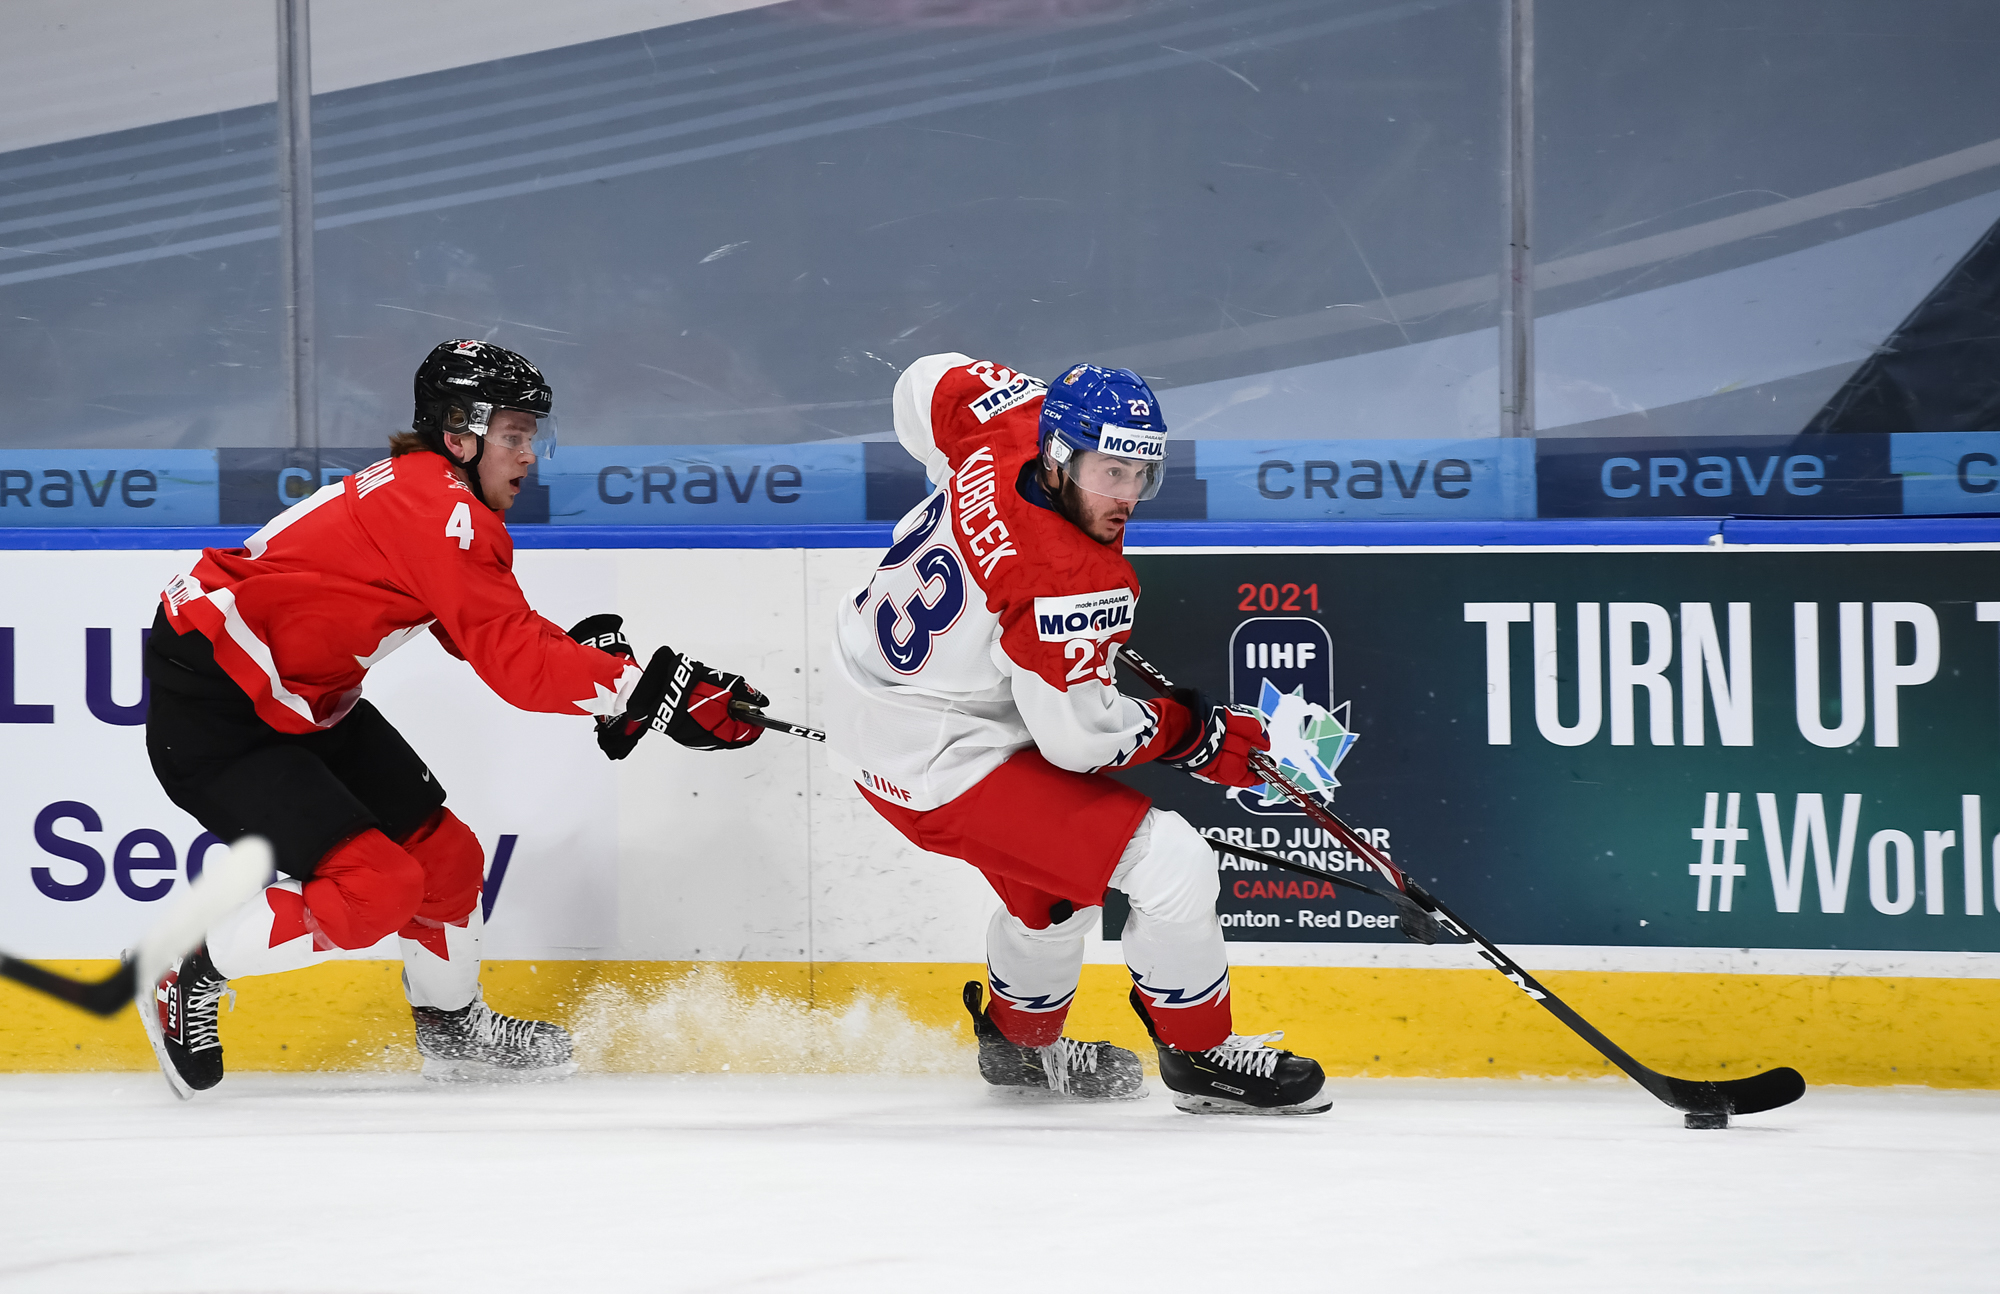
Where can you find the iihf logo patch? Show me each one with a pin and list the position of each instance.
(1283, 666)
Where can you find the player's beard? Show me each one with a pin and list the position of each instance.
(1075, 509)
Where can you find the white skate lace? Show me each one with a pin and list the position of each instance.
(1065, 1056)
(201, 1011)
(492, 1028)
(1247, 1055)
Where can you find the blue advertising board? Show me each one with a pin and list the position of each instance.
(107, 487)
(1716, 476)
(844, 482)
(1311, 480)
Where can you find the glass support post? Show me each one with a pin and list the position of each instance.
(295, 224)
(1517, 187)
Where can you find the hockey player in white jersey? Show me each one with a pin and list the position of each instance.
(974, 699)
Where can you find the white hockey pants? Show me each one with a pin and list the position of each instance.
(1172, 940)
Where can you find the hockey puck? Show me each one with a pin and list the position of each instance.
(1708, 1120)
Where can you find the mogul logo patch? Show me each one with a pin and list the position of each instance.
(1133, 442)
(1086, 615)
(1006, 390)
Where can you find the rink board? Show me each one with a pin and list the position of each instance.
(766, 865)
(1849, 1029)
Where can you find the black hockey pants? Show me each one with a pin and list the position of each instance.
(237, 775)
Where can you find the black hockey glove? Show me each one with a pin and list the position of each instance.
(1221, 741)
(615, 736)
(606, 633)
(689, 702)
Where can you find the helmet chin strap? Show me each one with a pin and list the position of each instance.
(469, 467)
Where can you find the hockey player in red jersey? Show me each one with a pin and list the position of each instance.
(257, 723)
(974, 698)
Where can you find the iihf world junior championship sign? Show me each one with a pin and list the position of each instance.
(1684, 749)
(1283, 665)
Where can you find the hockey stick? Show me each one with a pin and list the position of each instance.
(750, 714)
(1706, 1103)
(220, 888)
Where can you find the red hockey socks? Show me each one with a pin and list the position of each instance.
(440, 944)
(365, 889)
(1032, 974)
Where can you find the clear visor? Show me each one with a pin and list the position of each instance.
(541, 442)
(1130, 479)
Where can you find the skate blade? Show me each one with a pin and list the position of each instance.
(438, 1070)
(1044, 1095)
(149, 1020)
(1193, 1103)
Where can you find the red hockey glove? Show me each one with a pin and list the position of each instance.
(1221, 741)
(688, 701)
(704, 721)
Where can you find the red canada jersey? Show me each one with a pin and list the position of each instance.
(992, 621)
(335, 583)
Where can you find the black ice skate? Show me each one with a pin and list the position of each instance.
(1242, 1076)
(1084, 1071)
(476, 1044)
(179, 1017)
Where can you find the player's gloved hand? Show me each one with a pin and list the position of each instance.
(616, 733)
(688, 701)
(703, 720)
(606, 633)
(1220, 742)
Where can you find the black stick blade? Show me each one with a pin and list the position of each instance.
(1752, 1095)
(1417, 925)
(105, 997)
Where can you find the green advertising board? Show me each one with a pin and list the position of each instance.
(1713, 748)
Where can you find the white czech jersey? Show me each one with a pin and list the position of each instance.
(992, 622)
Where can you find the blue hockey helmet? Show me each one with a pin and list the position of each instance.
(1101, 427)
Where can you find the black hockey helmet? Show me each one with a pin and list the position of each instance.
(462, 383)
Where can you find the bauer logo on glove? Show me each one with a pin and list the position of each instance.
(685, 699)
(606, 633)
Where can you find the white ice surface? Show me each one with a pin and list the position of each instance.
(733, 1182)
